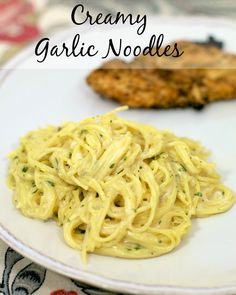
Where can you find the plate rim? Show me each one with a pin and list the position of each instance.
(86, 277)
(100, 281)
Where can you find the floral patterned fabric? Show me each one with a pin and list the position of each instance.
(21, 21)
(20, 276)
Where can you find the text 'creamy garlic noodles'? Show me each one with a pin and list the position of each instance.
(116, 187)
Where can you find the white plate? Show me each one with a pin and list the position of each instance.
(205, 262)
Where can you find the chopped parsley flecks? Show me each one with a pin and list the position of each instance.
(135, 247)
(25, 169)
(182, 168)
(56, 161)
(120, 171)
(51, 183)
(199, 194)
(112, 166)
(82, 131)
(157, 156)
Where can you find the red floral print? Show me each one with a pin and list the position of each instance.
(14, 21)
(63, 292)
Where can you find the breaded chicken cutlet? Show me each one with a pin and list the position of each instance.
(203, 74)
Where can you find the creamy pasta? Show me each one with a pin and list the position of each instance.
(116, 187)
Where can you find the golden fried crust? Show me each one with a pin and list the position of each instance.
(202, 75)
